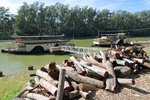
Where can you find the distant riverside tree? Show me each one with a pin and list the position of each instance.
(39, 19)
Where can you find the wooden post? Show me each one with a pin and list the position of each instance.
(61, 84)
(1, 74)
(30, 67)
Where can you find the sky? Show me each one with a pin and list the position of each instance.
(112, 5)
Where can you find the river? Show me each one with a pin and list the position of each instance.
(14, 63)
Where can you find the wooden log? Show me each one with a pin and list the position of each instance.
(103, 56)
(61, 84)
(122, 71)
(111, 80)
(93, 74)
(94, 62)
(119, 62)
(46, 76)
(138, 60)
(115, 54)
(79, 70)
(86, 87)
(86, 95)
(66, 68)
(48, 86)
(73, 94)
(126, 81)
(66, 86)
(39, 97)
(52, 65)
(36, 79)
(78, 64)
(84, 79)
(98, 70)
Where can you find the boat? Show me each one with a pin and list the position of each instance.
(108, 39)
(35, 44)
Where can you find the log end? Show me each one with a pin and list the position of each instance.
(52, 65)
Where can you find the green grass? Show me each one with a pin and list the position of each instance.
(139, 38)
(11, 85)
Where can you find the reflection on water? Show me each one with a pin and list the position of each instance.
(13, 63)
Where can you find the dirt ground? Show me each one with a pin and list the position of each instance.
(139, 91)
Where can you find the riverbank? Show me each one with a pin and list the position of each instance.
(11, 84)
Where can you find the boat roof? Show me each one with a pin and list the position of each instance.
(45, 36)
(113, 34)
(43, 41)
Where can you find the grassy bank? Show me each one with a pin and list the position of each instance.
(10, 85)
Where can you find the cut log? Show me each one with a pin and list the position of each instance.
(46, 76)
(122, 71)
(86, 87)
(66, 68)
(48, 86)
(126, 81)
(139, 60)
(78, 64)
(103, 56)
(93, 74)
(111, 80)
(115, 54)
(61, 84)
(94, 62)
(86, 95)
(52, 65)
(119, 62)
(36, 79)
(98, 70)
(73, 94)
(79, 70)
(84, 79)
(39, 97)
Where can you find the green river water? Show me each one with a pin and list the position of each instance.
(14, 63)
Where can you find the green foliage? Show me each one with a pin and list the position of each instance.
(36, 18)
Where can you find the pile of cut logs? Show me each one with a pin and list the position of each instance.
(83, 75)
